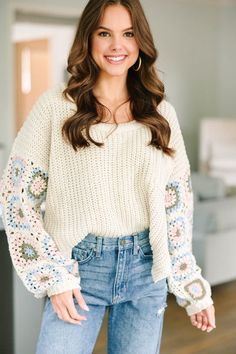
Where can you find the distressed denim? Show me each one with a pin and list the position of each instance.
(115, 274)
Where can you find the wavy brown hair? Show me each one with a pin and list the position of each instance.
(145, 89)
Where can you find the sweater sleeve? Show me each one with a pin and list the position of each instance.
(191, 290)
(23, 188)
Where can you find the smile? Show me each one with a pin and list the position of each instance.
(115, 59)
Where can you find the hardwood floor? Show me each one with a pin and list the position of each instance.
(180, 337)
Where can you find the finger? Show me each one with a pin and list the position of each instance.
(209, 329)
(204, 323)
(73, 312)
(199, 320)
(210, 313)
(65, 316)
(211, 316)
(193, 320)
(60, 315)
(59, 308)
(80, 299)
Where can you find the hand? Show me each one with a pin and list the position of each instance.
(205, 319)
(63, 305)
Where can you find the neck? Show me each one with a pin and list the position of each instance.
(112, 89)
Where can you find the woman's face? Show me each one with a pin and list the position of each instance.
(113, 45)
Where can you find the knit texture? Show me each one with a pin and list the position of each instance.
(115, 190)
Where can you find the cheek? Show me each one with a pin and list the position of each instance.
(97, 47)
(134, 49)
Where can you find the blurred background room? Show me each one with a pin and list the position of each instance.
(197, 56)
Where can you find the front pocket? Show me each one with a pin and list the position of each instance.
(83, 254)
(145, 250)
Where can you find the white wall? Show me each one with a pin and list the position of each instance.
(227, 61)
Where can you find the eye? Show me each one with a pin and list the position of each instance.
(101, 34)
(129, 34)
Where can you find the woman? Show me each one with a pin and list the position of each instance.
(106, 154)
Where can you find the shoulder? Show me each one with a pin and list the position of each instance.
(52, 103)
(42, 111)
(52, 93)
(167, 110)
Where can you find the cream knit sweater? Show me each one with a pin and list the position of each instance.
(123, 187)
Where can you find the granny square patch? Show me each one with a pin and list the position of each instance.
(195, 289)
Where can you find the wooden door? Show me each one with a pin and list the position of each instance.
(32, 67)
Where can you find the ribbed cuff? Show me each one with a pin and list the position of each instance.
(72, 282)
(199, 306)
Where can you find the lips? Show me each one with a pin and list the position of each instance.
(115, 59)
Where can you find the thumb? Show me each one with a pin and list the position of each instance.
(80, 299)
(211, 316)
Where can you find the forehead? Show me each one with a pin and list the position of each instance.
(116, 17)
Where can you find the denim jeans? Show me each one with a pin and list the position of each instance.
(115, 274)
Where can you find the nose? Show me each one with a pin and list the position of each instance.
(116, 44)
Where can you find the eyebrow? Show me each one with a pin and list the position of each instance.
(108, 29)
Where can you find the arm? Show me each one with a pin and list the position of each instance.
(192, 291)
(23, 187)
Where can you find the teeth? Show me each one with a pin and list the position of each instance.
(116, 58)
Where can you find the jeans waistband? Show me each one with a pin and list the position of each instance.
(121, 241)
(115, 240)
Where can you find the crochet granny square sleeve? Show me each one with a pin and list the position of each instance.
(23, 188)
(192, 291)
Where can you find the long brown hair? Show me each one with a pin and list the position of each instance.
(146, 91)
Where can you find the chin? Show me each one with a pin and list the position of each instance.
(115, 72)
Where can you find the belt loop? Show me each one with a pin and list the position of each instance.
(135, 237)
(98, 246)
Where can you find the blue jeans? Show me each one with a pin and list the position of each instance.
(115, 273)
